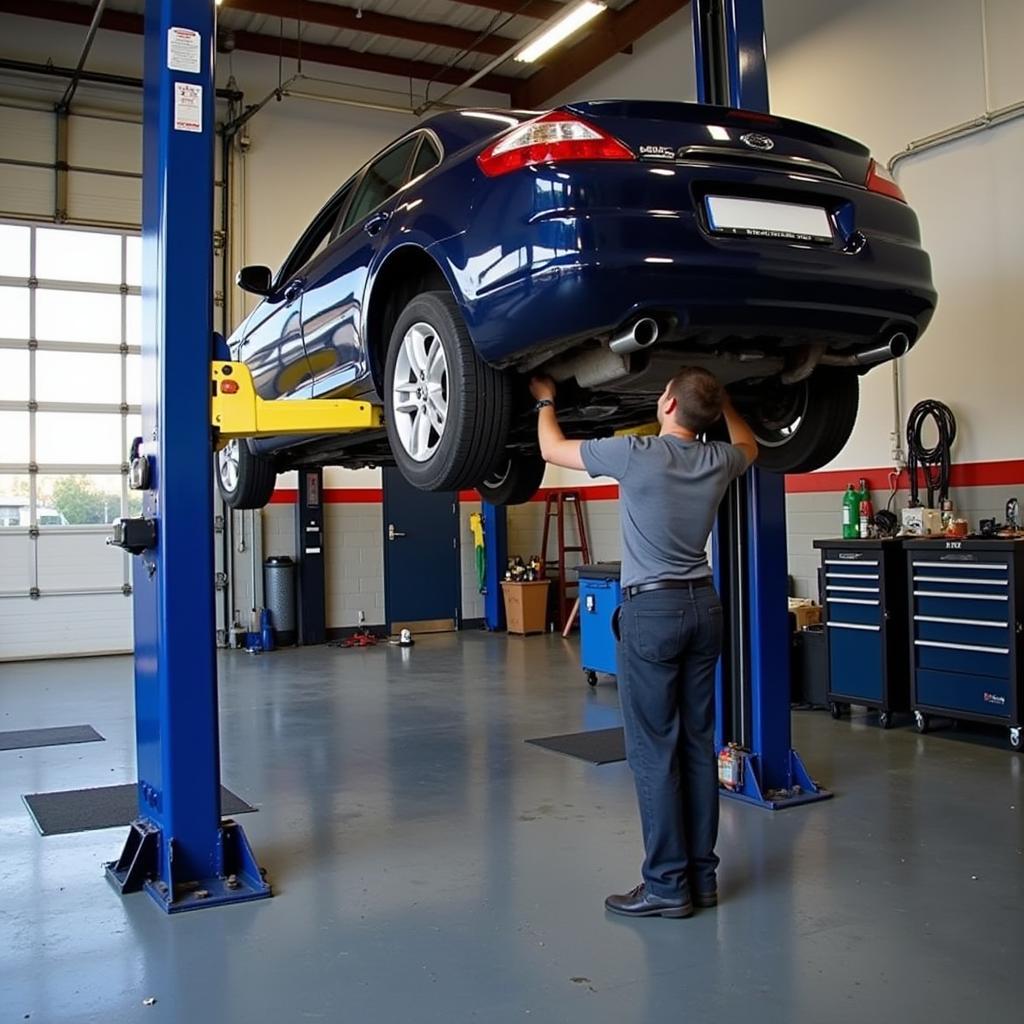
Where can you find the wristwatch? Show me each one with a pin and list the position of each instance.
(542, 403)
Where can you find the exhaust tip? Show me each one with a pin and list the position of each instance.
(899, 344)
(645, 331)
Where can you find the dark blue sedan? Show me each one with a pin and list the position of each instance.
(604, 243)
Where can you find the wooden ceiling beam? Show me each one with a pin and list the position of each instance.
(349, 18)
(272, 45)
(610, 33)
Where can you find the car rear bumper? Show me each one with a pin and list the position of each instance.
(574, 271)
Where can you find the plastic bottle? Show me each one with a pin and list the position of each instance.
(867, 514)
(851, 512)
(266, 630)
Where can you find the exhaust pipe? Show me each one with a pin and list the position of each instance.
(642, 334)
(898, 344)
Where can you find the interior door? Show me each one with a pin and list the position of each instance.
(422, 567)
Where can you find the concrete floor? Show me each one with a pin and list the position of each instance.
(431, 867)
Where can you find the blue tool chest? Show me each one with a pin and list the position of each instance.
(965, 645)
(863, 594)
(600, 595)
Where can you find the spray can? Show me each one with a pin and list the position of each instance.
(851, 511)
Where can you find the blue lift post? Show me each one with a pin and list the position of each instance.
(179, 850)
(749, 542)
(496, 561)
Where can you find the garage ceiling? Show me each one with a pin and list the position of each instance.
(430, 40)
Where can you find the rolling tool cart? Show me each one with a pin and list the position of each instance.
(600, 595)
(966, 598)
(863, 588)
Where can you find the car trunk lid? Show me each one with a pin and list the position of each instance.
(703, 133)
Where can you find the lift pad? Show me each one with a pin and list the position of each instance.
(238, 411)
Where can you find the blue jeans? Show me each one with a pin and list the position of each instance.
(669, 644)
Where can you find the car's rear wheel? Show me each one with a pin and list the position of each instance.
(245, 480)
(447, 411)
(514, 480)
(801, 427)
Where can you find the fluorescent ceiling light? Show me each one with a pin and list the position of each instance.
(576, 17)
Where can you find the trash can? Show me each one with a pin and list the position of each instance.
(279, 598)
(526, 606)
(600, 595)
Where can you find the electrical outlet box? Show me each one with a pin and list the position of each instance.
(360, 617)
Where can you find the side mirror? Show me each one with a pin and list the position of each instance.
(257, 280)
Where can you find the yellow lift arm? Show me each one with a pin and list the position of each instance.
(237, 411)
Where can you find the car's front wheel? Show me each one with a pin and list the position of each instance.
(447, 412)
(514, 480)
(245, 480)
(801, 427)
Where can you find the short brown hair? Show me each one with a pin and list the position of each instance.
(698, 398)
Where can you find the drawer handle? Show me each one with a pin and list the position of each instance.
(962, 647)
(852, 590)
(852, 575)
(964, 565)
(854, 625)
(958, 596)
(849, 561)
(961, 622)
(852, 600)
(961, 581)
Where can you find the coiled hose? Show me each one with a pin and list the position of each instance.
(935, 461)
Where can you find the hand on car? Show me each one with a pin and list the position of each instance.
(542, 388)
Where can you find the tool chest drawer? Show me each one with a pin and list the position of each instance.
(965, 632)
(863, 595)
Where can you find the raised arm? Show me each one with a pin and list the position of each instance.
(740, 434)
(554, 446)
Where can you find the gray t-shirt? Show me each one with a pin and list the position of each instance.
(669, 493)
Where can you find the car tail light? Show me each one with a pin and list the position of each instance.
(551, 138)
(881, 181)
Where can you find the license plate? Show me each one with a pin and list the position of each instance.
(758, 218)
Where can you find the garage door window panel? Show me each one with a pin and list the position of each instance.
(14, 312)
(13, 374)
(14, 428)
(78, 377)
(78, 438)
(87, 256)
(14, 500)
(15, 251)
(78, 316)
(78, 499)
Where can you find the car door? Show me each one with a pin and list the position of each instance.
(332, 303)
(272, 340)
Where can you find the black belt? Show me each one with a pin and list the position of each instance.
(643, 588)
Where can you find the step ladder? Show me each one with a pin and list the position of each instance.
(556, 505)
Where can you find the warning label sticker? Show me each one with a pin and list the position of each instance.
(188, 107)
(183, 50)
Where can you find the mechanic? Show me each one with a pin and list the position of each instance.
(669, 626)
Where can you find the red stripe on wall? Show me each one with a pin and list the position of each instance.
(1004, 473)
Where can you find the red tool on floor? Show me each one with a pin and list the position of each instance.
(361, 638)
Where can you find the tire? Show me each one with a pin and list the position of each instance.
(515, 480)
(244, 480)
(460, 428)
(801, 427)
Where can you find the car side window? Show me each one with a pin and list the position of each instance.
(317, 236)
(426, 158)
(382, 180)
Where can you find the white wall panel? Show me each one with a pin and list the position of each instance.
(27, 135)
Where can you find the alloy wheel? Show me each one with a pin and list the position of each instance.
(420, 391)
(227, 465)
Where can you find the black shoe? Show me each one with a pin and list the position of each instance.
(639, 902)
(706, 899)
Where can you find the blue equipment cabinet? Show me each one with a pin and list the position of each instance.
(600, 595)
(863, 590)
(965, 602)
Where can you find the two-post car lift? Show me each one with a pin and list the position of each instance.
(179, 849)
